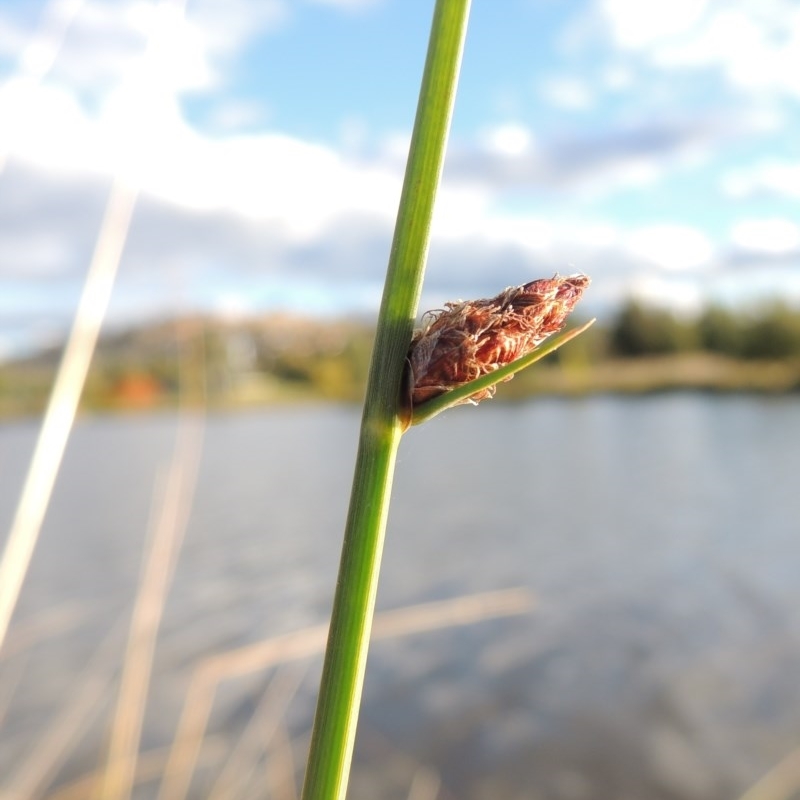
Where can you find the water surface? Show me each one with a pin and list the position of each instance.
(659, 536)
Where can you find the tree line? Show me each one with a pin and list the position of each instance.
(260, 363)
(771, 332)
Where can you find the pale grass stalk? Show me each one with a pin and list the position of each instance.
(423, 779)
(281, 768)
(63, 403)
(465, 610)
(149, 766)
(185, 750)
(202, 688)
(780, 783)
(47, 624)
(36, 771)
(303, 644)
(258, 732)
(164, 542)
(9, 680)
(425, 785)
(70, 378)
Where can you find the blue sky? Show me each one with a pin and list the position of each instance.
(651, 146)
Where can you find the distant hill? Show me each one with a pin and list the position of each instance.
(271, 358)
(280, 358)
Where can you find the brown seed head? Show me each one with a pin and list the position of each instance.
(467, 340)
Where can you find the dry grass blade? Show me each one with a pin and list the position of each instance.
(303, 644)
(149, 766)
(425, 785)
(264, 723)
(12, 676)
(281, 768)
(60, 413)
(202, 688)
(47, 624)
(35, 772)
(165, 537)
(782, 782)
(448, 613)
(70, 378)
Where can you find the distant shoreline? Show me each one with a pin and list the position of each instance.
(630, 376)
(648, 374)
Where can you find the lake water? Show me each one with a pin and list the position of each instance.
(660, 537)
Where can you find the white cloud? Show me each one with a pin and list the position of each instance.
(233, 115)
(106, 42)
(756, 45)
(756, 51)
(35, 54)
(93, 45)
(508, 140)
(567, 92)
(638, 25)
(110, 102)
(41, 256)
(672, 247)
(222, 29)
(459, 209)
(347, 5)
(774, 177)
(138, 132)
(264, 204)
(666, 292)
(593, 163)
(248, 214)
(771, 236)
(394, 147)
(617, 78)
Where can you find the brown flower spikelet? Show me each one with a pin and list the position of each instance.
(470, 339)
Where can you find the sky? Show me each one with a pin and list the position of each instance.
(652, 146)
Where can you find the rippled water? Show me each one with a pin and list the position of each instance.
(659, 535)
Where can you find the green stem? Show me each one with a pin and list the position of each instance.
(336, 717)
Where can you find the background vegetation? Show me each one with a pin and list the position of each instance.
(278, 359)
